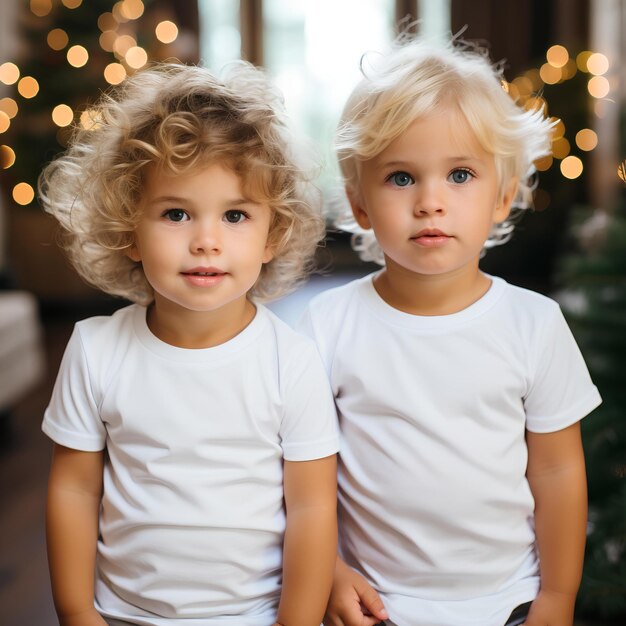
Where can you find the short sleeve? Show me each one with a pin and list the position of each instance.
(561, 390)
(72, 418)
(309, 425)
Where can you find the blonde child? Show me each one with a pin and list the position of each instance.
(461, 477)
(193, 475)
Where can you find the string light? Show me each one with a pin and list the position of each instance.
(123, 44)
(23, 193)
(557, 56)
(132, 9)
(107, 40)
(597, 64)
(9, 73)
(77, 56)
(166, 31)
(118, 12)
(41, 8)
(90, 119)
(544, 164)
(28, 87)
(57, 39)
(550, 75)
(106, 21)
(571, 167)
(7, 157)
(71, 4)
(560, 148)
(114, 73)
(136, 57)
(586, 139)
(5, 122)
(9, 106)
(598, 86)
(62, 115)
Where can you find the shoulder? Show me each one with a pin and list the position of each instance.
(528, 307)
(287, 340)
(334, 302)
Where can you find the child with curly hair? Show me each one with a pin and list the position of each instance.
(193, 474)
(462, 493)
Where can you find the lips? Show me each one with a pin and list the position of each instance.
(431, 238)
(204, 276)
(203, 271)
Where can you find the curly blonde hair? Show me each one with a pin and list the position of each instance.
(412, 81)
(180, 118)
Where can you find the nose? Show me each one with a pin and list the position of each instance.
(206, 237)
(430, 199)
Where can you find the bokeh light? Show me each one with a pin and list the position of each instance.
(118, 12)
(123, 44)
(524, 86)
(571, 167)
(560, 148)
(597, 64)
(77, 56)
(581, 60)
(132, 9)
(5, 122)
(9, 106)
(569, 70)
(28, 87)
(9, 73)
(107, 40)
(557, 56)
(23, 193)
(136, 57)
(106, 21)
(558, 130)
(41, 7)
(7, 157)
(586, 139)
(62, 115)
(57, 39)
(72, 4)
(166, 31)
(544, 163)
(114, 73)
(550, 75)
(598, 86)
(90, 119)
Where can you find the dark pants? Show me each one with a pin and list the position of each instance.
(517, 617)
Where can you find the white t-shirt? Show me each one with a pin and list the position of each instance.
(192, 517)
(435, 508)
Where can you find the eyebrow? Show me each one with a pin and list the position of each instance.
(454, 159)
(179, 199)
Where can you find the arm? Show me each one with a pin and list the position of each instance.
(74, 493)
(556, 475)
(353, 602)
(310, 540)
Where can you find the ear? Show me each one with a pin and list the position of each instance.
(269, 252)
(359, 212)
(133, 253)
(503, 207)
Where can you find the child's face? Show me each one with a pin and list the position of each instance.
(201, 241)
(431, 197)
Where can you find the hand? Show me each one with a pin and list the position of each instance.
(91, 617)
(551, 608)
(353, 602)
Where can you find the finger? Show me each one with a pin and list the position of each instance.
(372, 602)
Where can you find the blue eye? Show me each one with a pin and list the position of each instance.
(235, 217)
(460, 176)
(400, 179)
(176, 215)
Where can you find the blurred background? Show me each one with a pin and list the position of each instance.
(566, 56)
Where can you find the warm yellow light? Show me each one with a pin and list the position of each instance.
(534, 77)
(23, 193)
(558, 130)
(524, 86)
(535, 103)
(77, 56)
(90, 119)
(123, 44)
(7, 157)
(544, 163)
(118, 11)
(166, 31)
(107, 40)
(114, 73)
(569, 70)
(106, 21)
(136, 57)
(621, 171)
(28, 87)
(9, 73)
(41, 7)
(550, 75)
(132, 9)
(62, 115)
(586, 139)
(557, 56)
(581, 60)
(513, 92)
(72, 4)
(9, 106)
(571, 167)
(598, 86)
(597, 64)
(5, 122)
(560, 148)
